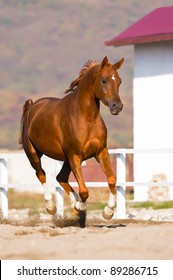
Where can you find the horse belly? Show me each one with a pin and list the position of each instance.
(48, 143)
(56, 153)
(52, 150)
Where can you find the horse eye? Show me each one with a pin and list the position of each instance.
(104, 80)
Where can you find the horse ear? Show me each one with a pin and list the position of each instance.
(104, 62)
(118, 64)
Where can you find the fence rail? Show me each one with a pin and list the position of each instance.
(120, 173)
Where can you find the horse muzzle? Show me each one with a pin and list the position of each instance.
(115, 108)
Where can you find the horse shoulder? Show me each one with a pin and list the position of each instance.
(98, 135)
(100, 128)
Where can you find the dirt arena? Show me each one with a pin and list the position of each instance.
(100, 239)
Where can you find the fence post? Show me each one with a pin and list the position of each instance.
(121, 189)
(3, 190)
(59, 195)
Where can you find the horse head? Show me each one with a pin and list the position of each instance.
(107, 85)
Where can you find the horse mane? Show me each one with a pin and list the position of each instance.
(87, 66)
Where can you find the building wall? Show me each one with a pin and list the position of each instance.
(153, 111)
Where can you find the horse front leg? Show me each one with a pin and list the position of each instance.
(104, 160)
(75, 163)
(78, 206)
(62, 178)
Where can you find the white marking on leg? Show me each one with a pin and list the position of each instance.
(47, 193)
(73, 198)
(50, 206)
(76, 202)
(111, 201)
(80, 206)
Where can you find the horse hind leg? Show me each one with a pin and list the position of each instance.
(50, 205)
(34, 157)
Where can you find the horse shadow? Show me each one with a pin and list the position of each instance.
(112, 226)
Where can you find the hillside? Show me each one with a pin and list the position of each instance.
(43, 46)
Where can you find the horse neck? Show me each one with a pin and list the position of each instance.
(86, 99)
(86, 95)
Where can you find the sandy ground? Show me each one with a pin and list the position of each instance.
(100, 239)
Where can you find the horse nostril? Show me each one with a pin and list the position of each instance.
(118, 107)
(115, 107)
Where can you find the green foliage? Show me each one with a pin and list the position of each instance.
(35, 201)
(153, 205)
(23, 200)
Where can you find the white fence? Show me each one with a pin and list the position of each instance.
(120, 173)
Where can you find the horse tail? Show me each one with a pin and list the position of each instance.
(26, 107)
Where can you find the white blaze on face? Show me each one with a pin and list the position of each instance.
(113, 77)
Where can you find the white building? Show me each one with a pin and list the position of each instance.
(152, 37)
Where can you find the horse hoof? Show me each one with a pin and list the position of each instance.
(82, 218)
(50, 207)
(80, 206)
(51, 211)
(108, 213)
(74, 212)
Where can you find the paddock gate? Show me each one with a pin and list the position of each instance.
(120, 173)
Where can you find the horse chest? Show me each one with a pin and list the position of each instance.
(93, 145)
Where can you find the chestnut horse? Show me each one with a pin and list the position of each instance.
(71, 130)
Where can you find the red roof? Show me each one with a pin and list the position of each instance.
(156, 26)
